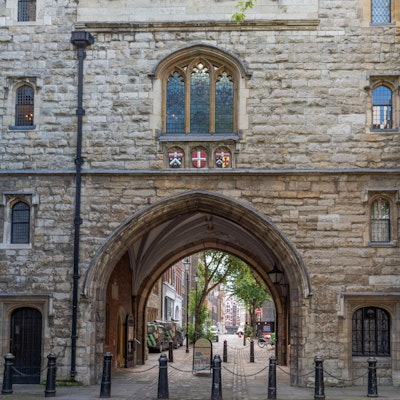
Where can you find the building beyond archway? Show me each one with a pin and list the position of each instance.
(161, 234)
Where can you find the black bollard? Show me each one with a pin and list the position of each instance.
(244, 339)
(170, 352)
(163, 378)
(50, 390)
(216, 389)
(251, 350)
(7, 380)
(319, 378)
(187, 342)
(372, 380)
(272, 378)
(225, 354)
(105, 388)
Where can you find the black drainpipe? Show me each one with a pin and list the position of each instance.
(80, 39)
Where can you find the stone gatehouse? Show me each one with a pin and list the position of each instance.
(134, 134)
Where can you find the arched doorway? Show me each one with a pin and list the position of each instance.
(26, 344)
(164, 233)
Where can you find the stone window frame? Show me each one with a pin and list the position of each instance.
(366, 12)
(392, 82)
(351, 302)
(15, 82)
(24, 10)
(11, 8)
(392, 196)
(8, 200)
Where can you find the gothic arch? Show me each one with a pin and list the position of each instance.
(163, 233)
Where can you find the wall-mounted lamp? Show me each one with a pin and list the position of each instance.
(275, 275)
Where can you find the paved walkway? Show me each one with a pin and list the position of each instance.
(241, 380)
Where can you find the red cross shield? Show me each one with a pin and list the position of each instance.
(199, 158)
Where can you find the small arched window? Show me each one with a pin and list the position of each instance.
(26, 10)
(20, 223)
(380, 220)
(381, 12)
(382, 108)
(371, 332)
(24, 106)
(200, 98)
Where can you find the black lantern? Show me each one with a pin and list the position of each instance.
(275, 275)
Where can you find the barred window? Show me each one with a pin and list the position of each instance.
(200, 98)
(371, 332)
(20, 223)
(24, 106)
(382, 108)
(26, 10)
(380, 220)
(381, 12)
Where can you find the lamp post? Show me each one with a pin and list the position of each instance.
(187, 267)
(196, 279)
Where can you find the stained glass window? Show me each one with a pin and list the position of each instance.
(200, 99)
(371, 332)
(382, 108)
(224, 104)
(175, 104)
(24, 106)
(20, 216)
(380, 221)
(381, 11)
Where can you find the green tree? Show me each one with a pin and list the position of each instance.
(241, 7)
(213, 269)
(244, 285)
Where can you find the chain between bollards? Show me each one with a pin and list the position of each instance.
(105, 388)
(216, 389)
(163, 392)
(7, 380)
(319, 392)
(50, 390)
(272, 378)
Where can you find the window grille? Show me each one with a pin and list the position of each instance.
(371, 332)
(24, 106)
(380, 221)
(20, 223)
(26, 10)
(382, 108)
(381, 12)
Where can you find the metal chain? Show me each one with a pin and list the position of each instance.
(27, 375)
(346, 380)
(146, 370)
(243, 375)
(180, 370)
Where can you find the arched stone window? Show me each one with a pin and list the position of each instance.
(24, 106)
(20, 223)
(371, 332)
(381, 12)
(201, 88)
(382, 108)
(380, 220)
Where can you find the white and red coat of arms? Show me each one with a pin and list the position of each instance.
(199, 158)
(175, 159)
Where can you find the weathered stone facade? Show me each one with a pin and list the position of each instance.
(305, 166)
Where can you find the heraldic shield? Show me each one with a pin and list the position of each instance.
(223, 159)
(175, 159)
(199, 158)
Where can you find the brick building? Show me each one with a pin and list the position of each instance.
(134, 134)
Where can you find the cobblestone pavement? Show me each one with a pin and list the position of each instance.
(241, 380)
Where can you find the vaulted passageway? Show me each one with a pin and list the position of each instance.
(164, 233)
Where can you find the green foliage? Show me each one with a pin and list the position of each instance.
(242, 7)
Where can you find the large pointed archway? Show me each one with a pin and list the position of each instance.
(167, 231)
